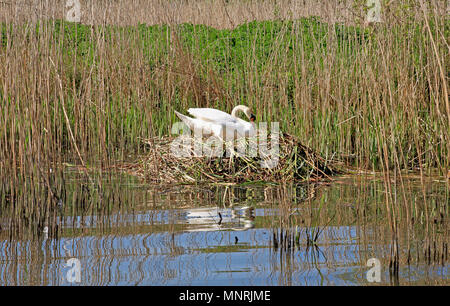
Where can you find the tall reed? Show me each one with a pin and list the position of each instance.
(375, 95)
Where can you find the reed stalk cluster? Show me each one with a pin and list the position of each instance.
(375, 95)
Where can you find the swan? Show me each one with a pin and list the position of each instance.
(213, 122)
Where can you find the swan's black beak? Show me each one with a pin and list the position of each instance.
(252, 118)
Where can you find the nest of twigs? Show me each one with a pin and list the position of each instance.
(292, 162)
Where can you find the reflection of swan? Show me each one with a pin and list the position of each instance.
(213, 218)
(202, 215)
(45, 231)
(213, 122)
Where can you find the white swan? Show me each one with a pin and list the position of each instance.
(213, 122)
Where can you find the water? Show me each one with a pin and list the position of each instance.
(129, 233)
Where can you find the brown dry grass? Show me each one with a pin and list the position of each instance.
(384, 105)
(216, 13)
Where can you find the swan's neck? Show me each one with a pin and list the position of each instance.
(237, 109)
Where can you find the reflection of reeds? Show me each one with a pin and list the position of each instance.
(411, 243)
(316, 229)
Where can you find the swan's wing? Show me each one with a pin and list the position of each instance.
(221, 122)
(206, 128)
(211, 114)
(241, 127)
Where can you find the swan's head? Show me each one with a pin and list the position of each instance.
(247, 111)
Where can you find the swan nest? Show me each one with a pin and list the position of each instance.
(173, 161)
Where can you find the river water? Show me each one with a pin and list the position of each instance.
(347, 232)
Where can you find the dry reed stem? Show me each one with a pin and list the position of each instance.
(216, 13)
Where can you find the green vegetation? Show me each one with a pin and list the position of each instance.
(371, 95)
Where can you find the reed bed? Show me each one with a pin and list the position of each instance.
(87, 93)
(374, 95)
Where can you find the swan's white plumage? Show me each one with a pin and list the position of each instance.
(211, 114)
(207, 128)
(213, 122)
